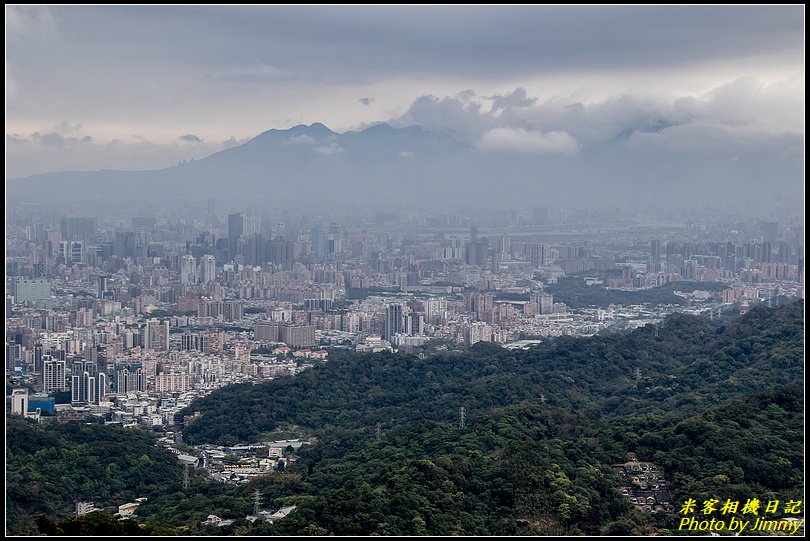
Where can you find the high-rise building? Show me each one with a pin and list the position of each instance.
(53, 374)
(71, 251)
(25, 290)
(208, 268)
(19, 402)
(235, 230)
(156, 335)
(251, 226)
(172, 382)
(77, 228)
(334, 240)
(393, 321)
(538, 254)
(188, 270)
(655, 250)
(436, 311)
(476, 252)
(319, 246)
(545, 302)
(266, 332)
(298, 336)
(253, 249)
(233, 311)
(479, 332)
(130, 378)
(212, 340)
(83, 383)
(103, 285)
(415, 324)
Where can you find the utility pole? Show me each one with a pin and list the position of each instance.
(377, 433)
(185, 477)
(256, 502)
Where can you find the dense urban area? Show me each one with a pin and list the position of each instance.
(128, 320)
(134, 318)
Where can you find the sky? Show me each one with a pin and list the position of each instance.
(146, 87)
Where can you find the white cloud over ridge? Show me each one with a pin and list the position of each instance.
(329, 150)
(302, 139)
(745, 112)
(529, 142)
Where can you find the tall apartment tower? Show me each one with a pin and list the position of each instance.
(655, 250)
(84, 383)
(235, 230)
(538, 254)
(393, 321)
(53, 374)
(208, 268)
(188, 270)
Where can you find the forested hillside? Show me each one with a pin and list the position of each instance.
(687, 364)
(718, 407)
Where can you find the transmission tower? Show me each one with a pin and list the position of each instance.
(461, 418)
(185, 477)
(638, 375)
(256, 501)
(543, 398)
(377, 433)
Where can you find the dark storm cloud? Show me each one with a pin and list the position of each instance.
(554, 81)
(510, 40)
(344, 42)
(57, 139)
(518, 98)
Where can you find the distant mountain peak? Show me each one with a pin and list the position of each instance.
(315, 129)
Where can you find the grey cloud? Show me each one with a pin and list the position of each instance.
(231, 142)
(493, 41)
(51, 139)
(458, 115)
(529, 142)
(518, 98)
(54, 139)
(16, 139)
(190, 138)
(329, 150)
(366, 101)
(406, 154)
(302, 139)
(66, 127)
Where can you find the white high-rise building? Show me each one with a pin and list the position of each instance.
(19, 402)
(480, 332)
(208, 268)
(251, 225)
(188, 270)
